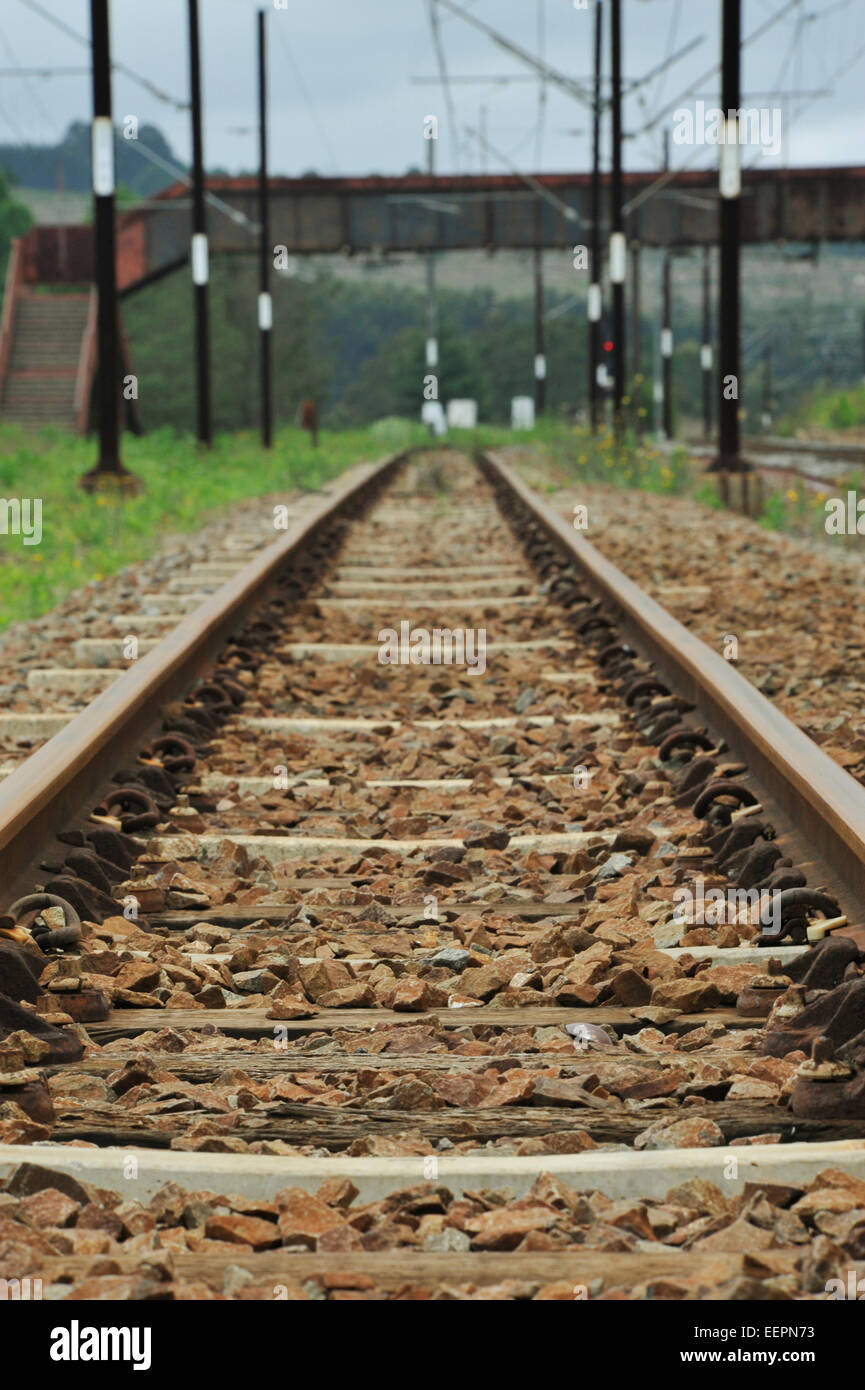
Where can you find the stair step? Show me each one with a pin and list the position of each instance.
(50, 361)
(46, 304)
(39, 324)
(43, 385)
(63, 328)
(61, 422)
(36, 401)
(43, 365)
(13, 399)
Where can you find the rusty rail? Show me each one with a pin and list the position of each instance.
(812, 796)
(807, 793)
(86, 367)
(754, 450)
(14, 280)
(843, 450)
(51, 788)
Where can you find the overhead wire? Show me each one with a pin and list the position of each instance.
(13, 126)
(35, 96)
(554, 75)
(134, 76)
(672, 35)
(643, 98)
(669, 174)
(304, 90)
(180, 174)
(716, 67)
(528, 179)
(542, 87)
(453, 131)
(839, 72)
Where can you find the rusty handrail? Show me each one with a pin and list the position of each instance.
(10, 300)
(817, 797)
(86, 365)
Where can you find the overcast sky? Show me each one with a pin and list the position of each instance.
(343, 99)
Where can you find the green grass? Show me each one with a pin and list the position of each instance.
(708, 496)
(86, 538)
(829, 410)
(800, 511)
(574, 452)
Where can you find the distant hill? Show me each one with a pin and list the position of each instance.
(43, 166)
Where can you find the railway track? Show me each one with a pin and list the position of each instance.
(821, 464)
(53, 668)
(372, 976)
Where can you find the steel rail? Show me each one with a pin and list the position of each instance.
(820, 448)
(51, 788)
(820, 803)
(755, 450)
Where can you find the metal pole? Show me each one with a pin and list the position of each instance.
(432, 338)
(767, 388)
(665, 341)
(730, 180)
(104, 253)
(618, 251)
(594, 296)
(657, 389)
(540, 351)
(199, 250)
(265, 303)
(667, 346)
(706, 346)
(636, 344)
